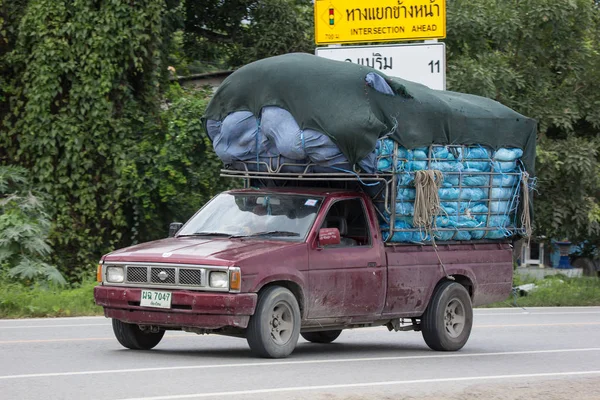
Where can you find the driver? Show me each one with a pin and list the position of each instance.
(256, 221)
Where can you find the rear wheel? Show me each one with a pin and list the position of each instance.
(448, 319)
(132, 337)
(274, 328)
(322, 336)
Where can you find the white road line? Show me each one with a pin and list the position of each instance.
(541, 308)
(303, 362)
(50, 326)
(368, 384)
(529, 314)
(51, 319)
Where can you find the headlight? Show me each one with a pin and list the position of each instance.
(218, 279)
(115, 274)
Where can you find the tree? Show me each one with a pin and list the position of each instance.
(84, 81)
(540, 58)
(231, 33)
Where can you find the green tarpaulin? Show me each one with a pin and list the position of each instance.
(332, 97)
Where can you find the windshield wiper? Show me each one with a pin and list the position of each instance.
(206, 234)
(269, 233)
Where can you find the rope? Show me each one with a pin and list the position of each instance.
(525, 215)
(427, 200)
(427, 205)
(355, 174)
(257, 145)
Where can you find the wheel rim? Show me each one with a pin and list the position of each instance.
(454, 318)
(281, 323)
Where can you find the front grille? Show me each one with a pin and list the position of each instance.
(172, 276)
(162, 275)
(192, 277)
(137, 274)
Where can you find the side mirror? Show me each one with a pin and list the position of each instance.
(174, 227)
(329, 237)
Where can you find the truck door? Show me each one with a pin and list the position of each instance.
(349, 279)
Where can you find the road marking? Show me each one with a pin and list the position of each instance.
(303, 362)
(535, 325)
(541, 308)
(51, 319)
(171, 336)
(537, 313)
(368, 384)
(52, 340)
(50, 326)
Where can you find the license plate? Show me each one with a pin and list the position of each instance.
(155, 298)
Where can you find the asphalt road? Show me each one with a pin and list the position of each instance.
(545, 353)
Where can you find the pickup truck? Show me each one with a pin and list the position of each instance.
(270, 264)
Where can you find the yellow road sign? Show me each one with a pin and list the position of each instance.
(355, 21)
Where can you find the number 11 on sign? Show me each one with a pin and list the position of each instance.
(435, 66)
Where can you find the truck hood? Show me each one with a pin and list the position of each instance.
(215, 251)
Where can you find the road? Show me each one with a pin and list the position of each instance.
(538, 353)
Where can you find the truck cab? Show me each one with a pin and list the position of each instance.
(269, 265)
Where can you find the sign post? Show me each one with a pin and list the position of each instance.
(356, 21)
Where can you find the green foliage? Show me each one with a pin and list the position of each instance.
(24, 227)
(84, 90)
(18, 301)
(557, 291)
(568, 203)
(176, 170)
(85, 80)
(231, 33)
(537, 56)
(540, 58)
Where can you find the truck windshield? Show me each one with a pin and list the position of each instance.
(255, 215)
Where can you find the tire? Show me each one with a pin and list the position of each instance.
(322, 336)
(448, 319)
(274, 328)
(132, 337)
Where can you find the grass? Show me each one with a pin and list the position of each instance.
(556, 291)
(19, 301)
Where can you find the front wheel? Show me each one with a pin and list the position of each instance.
(321, 336)
(274, 328)
(448, 319)
(132, 337)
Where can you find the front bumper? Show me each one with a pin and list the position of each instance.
(188, 309)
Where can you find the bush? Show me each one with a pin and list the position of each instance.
(18, 301)
(556, 291)
(24, 227)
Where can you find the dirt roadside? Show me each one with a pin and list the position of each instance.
(567, 389)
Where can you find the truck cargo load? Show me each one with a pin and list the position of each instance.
(301, 114)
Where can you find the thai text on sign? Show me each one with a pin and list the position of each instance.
(354, 21)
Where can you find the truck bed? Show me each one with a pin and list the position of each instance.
(413, 271)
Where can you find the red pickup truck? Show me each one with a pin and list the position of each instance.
(269, 265)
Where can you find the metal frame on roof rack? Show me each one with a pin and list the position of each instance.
(378, 185)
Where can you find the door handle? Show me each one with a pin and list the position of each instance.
(371, 264)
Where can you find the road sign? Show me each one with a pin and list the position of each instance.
(424, 63)
(355, 21)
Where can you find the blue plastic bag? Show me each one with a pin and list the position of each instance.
(511, 154)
